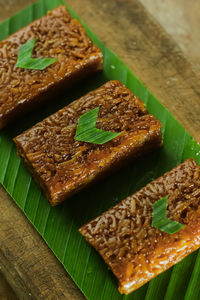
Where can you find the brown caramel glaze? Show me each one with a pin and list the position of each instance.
(62, 166)
(58, 35)
(134, 250)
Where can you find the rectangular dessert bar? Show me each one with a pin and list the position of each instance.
(134, 250)
(58, 36)
(62, 165)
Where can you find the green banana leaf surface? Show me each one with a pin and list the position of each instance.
(59, 225)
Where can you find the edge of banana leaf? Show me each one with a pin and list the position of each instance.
(169, 283)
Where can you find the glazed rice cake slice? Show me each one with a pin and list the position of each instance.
(63, 165)
(58, 36)
(134, 250)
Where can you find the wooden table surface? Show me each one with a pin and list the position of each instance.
(170, 71)
(181, 19)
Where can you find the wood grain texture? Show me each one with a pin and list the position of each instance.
(27, 263)
(6, 293)
(127, 28)
(181, 19)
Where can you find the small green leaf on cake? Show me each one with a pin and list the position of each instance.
(87, 132)
(159, 219)
(25, 61)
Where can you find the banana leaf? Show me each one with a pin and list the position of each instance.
(59, 225)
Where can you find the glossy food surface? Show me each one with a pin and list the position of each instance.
(134, 250)
(58, 36)
(63, 165)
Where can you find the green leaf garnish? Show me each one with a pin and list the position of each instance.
(87, 132)
(25, 61)
(159, 219)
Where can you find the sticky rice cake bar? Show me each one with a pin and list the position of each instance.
(134, 250)
(62, 165)
(58, 36)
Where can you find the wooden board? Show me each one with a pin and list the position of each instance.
(180, 19)
(6, 293)
(127, 28)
